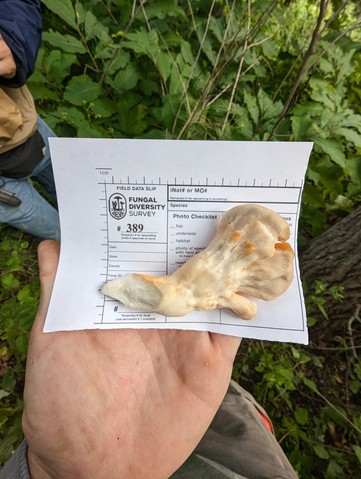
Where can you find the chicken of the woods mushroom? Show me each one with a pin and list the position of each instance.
(248, 256)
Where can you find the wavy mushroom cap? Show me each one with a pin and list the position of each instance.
(248, 255)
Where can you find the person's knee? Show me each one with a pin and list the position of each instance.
(34, 215)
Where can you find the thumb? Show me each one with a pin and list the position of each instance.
(48, 257)
(229, 344)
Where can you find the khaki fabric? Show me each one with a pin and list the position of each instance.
(18, 117)
(10, 118)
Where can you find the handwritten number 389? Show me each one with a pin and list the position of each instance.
(134, 228)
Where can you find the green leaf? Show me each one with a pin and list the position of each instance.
(9, 281)
(67, 43)
(24, 294)
(143, 42)
(326, 65)
(149, 87)
(187, 54)
(57, 66)
(164, 64)
(337, 414)
(311, 321)
(169, 109)
(269, 48)
(64, 9)
(355, 386)
(163, 8)
(120, 60)
(350, 135)
(301, 416)
(206, 44)
(334, 470)
(41, 92)
(354, 168)
(311, 108)
(321, 451)
(80, 12)
(269, 108)
(82, 89)
(216, 27)
(180, 72)
(8, 381)
(309, 383)
(313, 176)
(131, 116)
(357, 450)
(3, 393)
(90, 25)
(332, 148)
(300, 127)
(21, 344)
(343, 203)
(77, 120)
(351, 120)
(128, 78)
(3, 351)
(251, 103)
(104, 107)
(285, 373)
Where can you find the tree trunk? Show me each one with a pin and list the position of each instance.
(335, 258)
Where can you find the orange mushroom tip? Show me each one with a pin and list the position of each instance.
(285, 247)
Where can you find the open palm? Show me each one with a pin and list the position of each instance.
(122, 404)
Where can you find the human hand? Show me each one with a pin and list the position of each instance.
(7, 61)
(110, 404)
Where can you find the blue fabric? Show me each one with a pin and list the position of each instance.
(35, 215)
(20, 27)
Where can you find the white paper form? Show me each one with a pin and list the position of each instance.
(146, 206)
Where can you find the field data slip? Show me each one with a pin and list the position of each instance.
(146, 206)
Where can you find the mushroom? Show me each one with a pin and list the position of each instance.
(248, 256)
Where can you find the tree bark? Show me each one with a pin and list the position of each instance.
(334, 258)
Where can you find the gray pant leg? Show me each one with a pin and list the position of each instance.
(17, 465)
(238, 439)
(197, 467)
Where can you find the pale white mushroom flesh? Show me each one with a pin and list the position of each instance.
(248, 257)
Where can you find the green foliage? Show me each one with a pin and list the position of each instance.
(310, 393)
(312, 401)
(19, 293)
(180, 69)
(312, 404)
(257, 70)
(329, 119)
(316, 300)
(320, 437)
